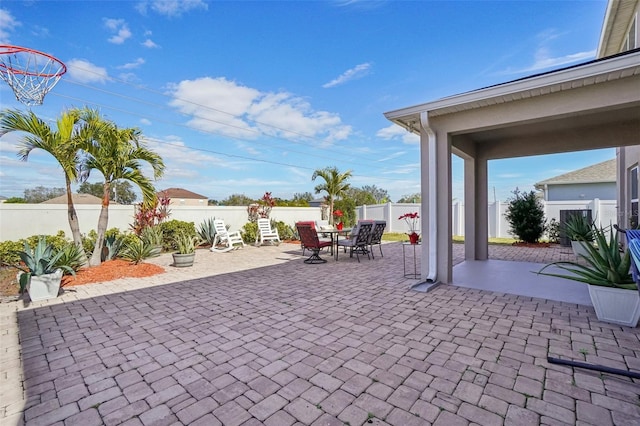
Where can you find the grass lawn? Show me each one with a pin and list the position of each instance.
(398, 236)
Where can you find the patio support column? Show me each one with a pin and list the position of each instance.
(469, 208)
(435, 154)
(481, 213)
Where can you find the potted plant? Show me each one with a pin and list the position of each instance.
(41, 270)
(613, 292)
(153, 236)
(186, 249)
(337, 215)
(580, 231)
(412, 221)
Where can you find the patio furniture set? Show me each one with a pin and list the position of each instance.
(359, 239)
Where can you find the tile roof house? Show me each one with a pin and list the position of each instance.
(588, 183)
(183, 197)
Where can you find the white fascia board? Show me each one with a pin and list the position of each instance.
(587, 71)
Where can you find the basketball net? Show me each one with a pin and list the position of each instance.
(29, 73)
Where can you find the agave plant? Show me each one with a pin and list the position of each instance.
(604, 264)
(42, 259)
(206, 231)
(185, 243)
(152, 235)
(136, 250)
(579, 228)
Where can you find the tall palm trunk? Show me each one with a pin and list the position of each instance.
(74, 224)
(103, 221)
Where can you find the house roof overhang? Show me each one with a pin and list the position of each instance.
(616, 26)
(592, 73)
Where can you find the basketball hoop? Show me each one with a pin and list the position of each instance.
(29, 73)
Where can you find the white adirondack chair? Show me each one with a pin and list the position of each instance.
(224, 240)
(265, 233)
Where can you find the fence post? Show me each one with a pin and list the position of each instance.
(387, 214)
(597, 210)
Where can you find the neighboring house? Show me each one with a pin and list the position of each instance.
(77, 199)
(582, 107)
(588, 183)
(620, 33)
(182, 197)
(2, 199)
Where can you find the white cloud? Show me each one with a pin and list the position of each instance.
(171, 8)
(7, 24)
(121, 29)
(132, 65)
(224, 107)
(145, 121)
(149, 44)
(544, 58)
(85, 72)
(395, 132)
(358, 71)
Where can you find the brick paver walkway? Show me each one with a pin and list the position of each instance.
(286, 343)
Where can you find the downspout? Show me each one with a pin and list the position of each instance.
(432, 273)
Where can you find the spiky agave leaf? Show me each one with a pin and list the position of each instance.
(605, 266)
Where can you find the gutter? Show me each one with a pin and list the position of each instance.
(432, 273)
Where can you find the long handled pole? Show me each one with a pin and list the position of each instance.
(595, 367)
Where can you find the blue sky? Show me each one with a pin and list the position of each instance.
(246, 97)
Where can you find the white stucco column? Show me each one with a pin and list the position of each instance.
(435, 155)
(481, 214)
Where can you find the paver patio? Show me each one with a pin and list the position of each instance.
(258, 337)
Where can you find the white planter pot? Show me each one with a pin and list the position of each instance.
(44, 287)
(616, 305)
(579, 248)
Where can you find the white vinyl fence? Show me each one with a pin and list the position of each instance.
(603, 212)
(24, 220)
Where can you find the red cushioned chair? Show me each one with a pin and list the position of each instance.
(309, 240)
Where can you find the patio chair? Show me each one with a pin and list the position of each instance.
(376, 236)
(309, 240)
(224, 240)
(266, 233)
(358, 241)
(633, 242)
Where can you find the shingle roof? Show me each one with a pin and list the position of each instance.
(601, 172)
(77, 199)
(181, 193)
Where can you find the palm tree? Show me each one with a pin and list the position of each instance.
(118, 154)
(335, 185)
(64, 143)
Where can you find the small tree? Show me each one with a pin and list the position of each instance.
(525, 215)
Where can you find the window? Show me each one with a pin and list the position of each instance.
(633, 197)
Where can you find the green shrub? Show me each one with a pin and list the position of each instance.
(285, 231)
(57, 241)
(249, 232)
(8, 252)
(9, 249)
(553, 231)
(171, 229)
(525, 215)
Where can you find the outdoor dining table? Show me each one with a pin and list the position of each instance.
(335, 233)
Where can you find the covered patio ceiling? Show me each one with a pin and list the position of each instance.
(587, 106)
